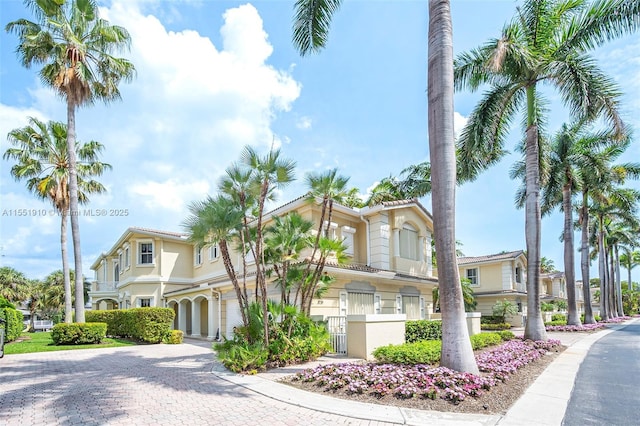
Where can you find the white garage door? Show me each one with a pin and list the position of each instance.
(234, 317)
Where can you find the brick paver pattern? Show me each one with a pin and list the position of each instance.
(138, 385)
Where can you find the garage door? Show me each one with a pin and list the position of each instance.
(234, 317)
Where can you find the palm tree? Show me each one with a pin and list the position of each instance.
(218, 221)
(630, 259)
(388, 189)
(547, 42)
(270, 173)
(569, 156)
(40, 151)
(310, 31)
(75, 48)
(12, 284)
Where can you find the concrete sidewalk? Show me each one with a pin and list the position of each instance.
(543, 403)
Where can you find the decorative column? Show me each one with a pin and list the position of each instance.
(182, 317)
(210, 318)
(195, 318)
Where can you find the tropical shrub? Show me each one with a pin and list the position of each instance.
(490, 319)
(502, 308)
(240, 356)
(559, 317)
(78, 333)
(506, 335)
(482, 340)
(417, 331)
(424, 352)
(173, 337)
(547, 307)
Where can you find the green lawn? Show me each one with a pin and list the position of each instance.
(41, 342)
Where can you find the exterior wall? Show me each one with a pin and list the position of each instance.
(365, 333)
(380, 232)
(176, 260)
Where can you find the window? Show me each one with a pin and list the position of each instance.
(214, 252)
(127, 257)
(104, 270)
(347, 239)
(412, 307)
(472, 276)
(518, 274)
(409, 242)
(197, 256)
(330, 229)
(146, 253)
(116, 271)
(145, 303)
(360, 303)
(120, 261)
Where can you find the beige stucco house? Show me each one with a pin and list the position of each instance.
(389, 273)
(496, 277)
(553, 286)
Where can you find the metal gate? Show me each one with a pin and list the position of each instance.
(337, 327)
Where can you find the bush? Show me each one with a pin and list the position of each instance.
(595, 317)
(425, 352)
(78, 333)
(559, 317)
(239, 356)
(482, 340)
(495, 326)
(554, 323)
(490, 319)
(417, 331)
(503, 308)
(506, 335)
(547, 307)
(146, 324)
(173, 337)
(13, 327)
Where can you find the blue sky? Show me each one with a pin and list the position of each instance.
(214, 76)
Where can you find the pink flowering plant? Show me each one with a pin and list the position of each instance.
(427, 381)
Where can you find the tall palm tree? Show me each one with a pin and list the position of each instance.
(218, 221)
(310, 31)
(40, 152)
(548, 41)
(270, 172)
(75, 48)
(569, 157)
(630, 259)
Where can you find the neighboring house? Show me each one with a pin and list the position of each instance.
(390, 271)
(553, 286)
(496, 277)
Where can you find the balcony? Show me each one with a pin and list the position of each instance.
(105, 286)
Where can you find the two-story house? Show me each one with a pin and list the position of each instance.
(390, 271)
(496, 277)
(553, 286)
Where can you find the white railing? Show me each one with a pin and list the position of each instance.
(106, 285)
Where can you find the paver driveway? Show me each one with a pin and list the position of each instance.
(139, 385)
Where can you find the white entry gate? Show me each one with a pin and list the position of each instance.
(337, 327)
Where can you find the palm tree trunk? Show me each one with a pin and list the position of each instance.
(457, 353)
(613, 309)
(628, 265)
(602, 272)
(534, 328)
(73, 207)
(573, 317)
(68, 307)
(618, 282)
(584, 262)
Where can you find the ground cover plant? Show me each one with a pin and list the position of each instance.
(419, 382)
(42, 342)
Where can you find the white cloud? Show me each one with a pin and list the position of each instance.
(172, 195)
(459, 121)
(304, 123)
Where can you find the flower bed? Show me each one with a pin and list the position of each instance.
(426, 381)
(575, 328)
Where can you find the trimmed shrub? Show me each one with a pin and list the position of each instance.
(174, 337)
(490, 319)
(425, 352)
(482, 340)
(506, 335)
(13, 327)
(554, 323)
(146, 324)
(78, 333)
(496, 326)
(559, 317)
(417, 331)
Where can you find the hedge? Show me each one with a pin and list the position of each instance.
(417, 331)
(174, 337)
(498, 326)
(146, 324)
(78, 333)
(13, 327)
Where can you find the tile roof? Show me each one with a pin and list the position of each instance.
(490, 257)
(157, 231)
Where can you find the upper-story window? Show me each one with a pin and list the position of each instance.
(518, 274)
(348, 239)
(127, 257)
(116, 271)
(120, 262)
(214, 252)
(145, 251)
(330, 229)
(472, 276)
(409, 242)
(197, 256)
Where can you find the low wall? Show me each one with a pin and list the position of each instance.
(368, 332)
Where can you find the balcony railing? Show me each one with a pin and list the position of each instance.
(105, 286)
